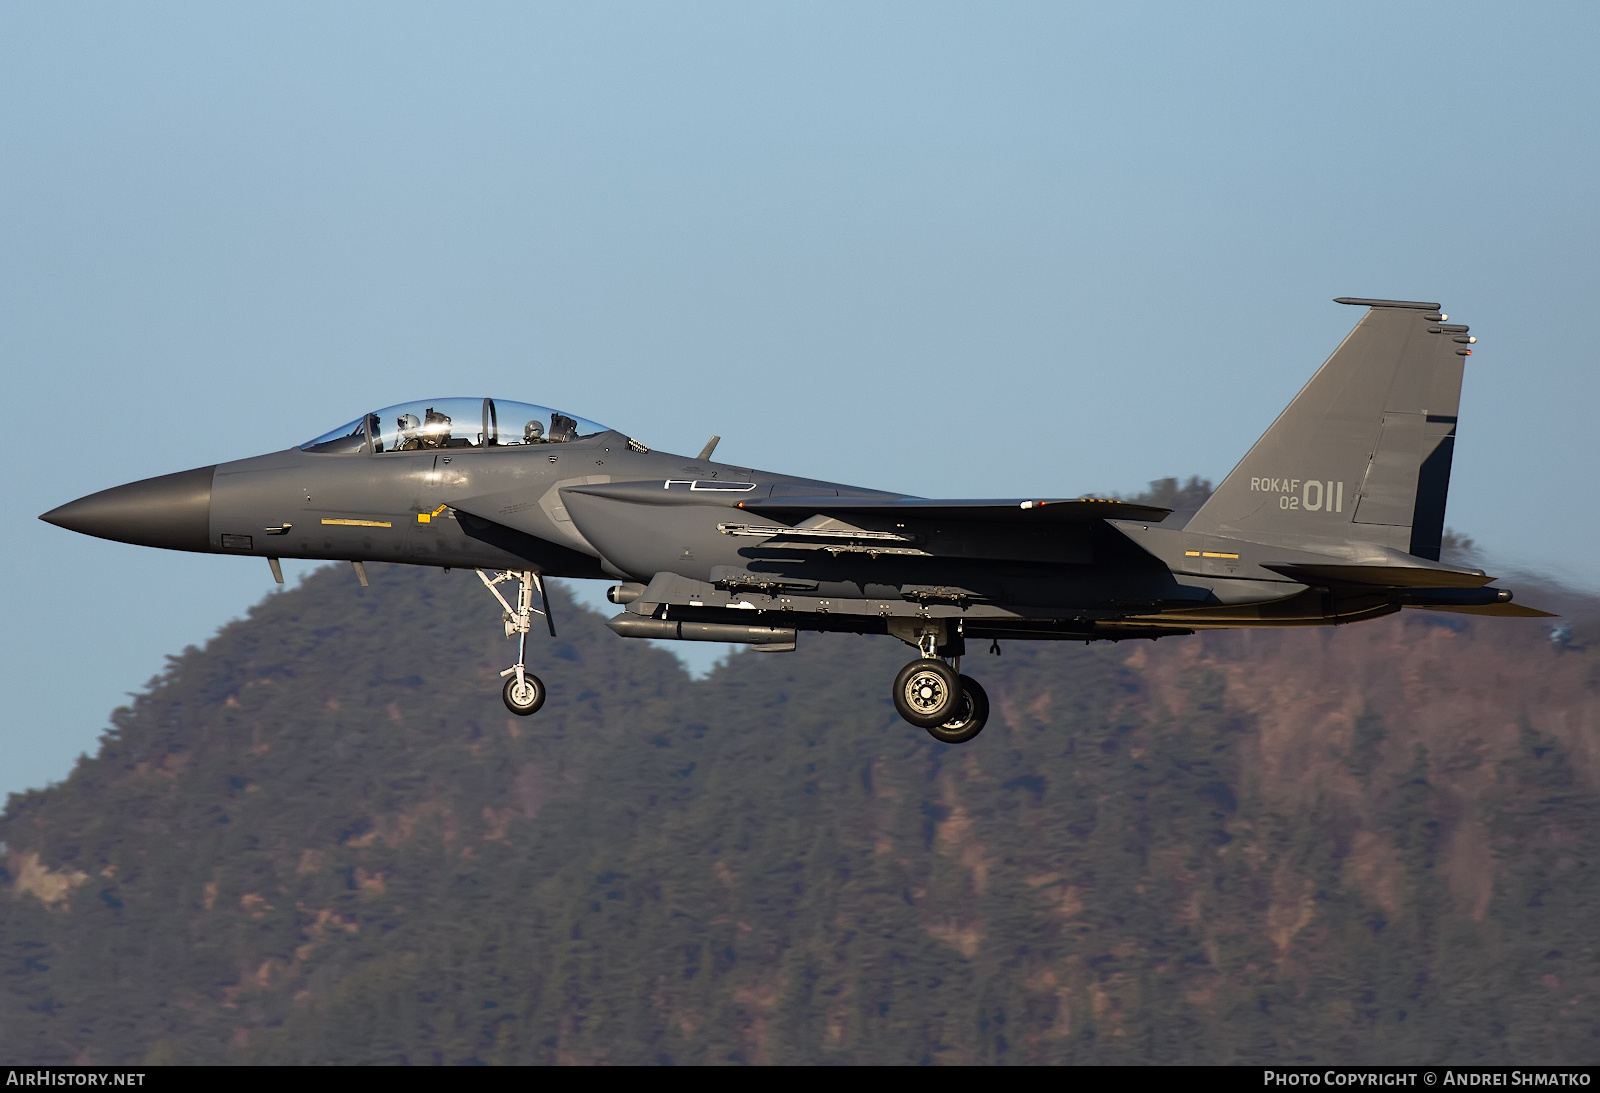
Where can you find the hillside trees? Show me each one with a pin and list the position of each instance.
(322, 839)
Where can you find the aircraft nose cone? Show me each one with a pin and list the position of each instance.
(172, 511)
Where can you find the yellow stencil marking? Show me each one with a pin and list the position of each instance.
(1217, 554)
(361, 523)
(1191, 554)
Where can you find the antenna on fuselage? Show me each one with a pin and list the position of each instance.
(711, 446)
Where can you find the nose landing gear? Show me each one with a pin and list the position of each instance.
(523, 692)
(935, 696)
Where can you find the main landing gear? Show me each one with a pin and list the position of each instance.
(523, 691)
(935, 696)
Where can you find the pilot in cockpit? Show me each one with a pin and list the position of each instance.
(533, 433)
(409, 427)
(435, 429)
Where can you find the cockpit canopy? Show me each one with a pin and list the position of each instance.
(454, 423)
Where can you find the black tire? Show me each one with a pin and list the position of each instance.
(926, 692)
(970, 721)
(530, 701)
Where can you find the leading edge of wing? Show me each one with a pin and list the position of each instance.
(988, 510)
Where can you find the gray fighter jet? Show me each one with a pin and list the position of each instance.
(1336, 515)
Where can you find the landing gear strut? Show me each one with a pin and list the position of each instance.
(935, 696)
(523, 692)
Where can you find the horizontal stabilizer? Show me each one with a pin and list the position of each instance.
(1383, 576)
(1498, 610)
(923, 508)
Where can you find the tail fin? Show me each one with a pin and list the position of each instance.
(1363, 452)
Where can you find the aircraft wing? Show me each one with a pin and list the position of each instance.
(1422, 575)
(1017, 510)
(763, 500)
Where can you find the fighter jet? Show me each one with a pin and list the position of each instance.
(1334, 516)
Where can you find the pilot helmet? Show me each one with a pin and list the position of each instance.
(532, 431)
(408, 422)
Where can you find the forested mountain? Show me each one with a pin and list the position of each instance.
(321, 838)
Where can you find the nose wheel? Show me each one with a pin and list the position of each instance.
(523, 692)
(523, 695)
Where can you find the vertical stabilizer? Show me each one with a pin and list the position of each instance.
(1363, 452)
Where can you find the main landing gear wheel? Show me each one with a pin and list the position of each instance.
(927, 693)
(524, 696)
(972, 718)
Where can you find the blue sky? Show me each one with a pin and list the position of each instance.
(949, 249)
